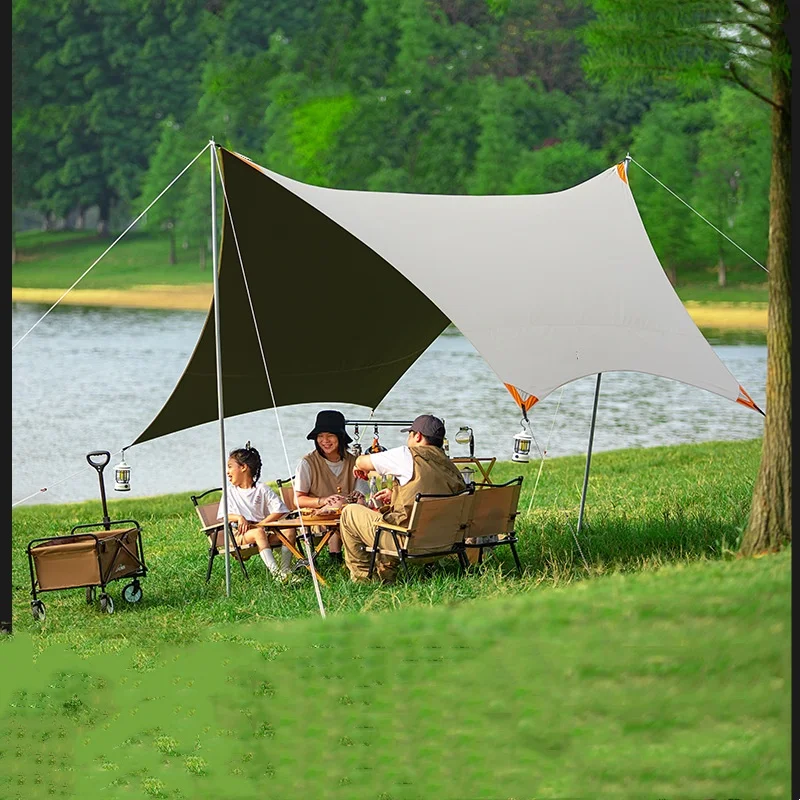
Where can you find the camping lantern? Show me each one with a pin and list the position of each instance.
(122, 477)
(522, 447)
(465, 436)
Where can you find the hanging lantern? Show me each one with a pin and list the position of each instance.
(465, 436)
(522, 447)
(122, 476)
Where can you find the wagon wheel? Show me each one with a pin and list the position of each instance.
(106, 603)
(38, 610)
(132, 593)
(90, 592)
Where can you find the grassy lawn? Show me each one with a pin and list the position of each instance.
(57, 260)
(645, 508)
(647, 661)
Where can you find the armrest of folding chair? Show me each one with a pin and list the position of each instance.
(388, 526)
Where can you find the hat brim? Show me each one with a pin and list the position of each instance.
(406, 430)
(342, 434)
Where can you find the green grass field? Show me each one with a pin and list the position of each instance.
(644, 660)
(55, 260)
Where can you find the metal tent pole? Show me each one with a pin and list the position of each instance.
(589, 453)
(218, 341)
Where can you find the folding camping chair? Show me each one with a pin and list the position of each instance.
(494, 512)
(214, 529)
(435, 529)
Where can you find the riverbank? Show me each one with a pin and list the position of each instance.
(197, 297)
(189, 297)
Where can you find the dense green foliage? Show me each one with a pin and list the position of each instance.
(110, 101)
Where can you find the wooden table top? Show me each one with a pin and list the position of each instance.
(296, 522)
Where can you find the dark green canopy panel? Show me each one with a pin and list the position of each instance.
(337, 322)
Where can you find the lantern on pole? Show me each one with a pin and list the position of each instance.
(122, 476)
(522, 446)
(465, 436)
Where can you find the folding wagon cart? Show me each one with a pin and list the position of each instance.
(91, 556)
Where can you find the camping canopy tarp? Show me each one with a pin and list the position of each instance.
(349, 288)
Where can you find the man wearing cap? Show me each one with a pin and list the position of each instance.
(419, 466)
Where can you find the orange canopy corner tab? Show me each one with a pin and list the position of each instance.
(746, 400)
(621, 171)
(524, 400)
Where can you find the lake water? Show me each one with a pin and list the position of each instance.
(90, 379)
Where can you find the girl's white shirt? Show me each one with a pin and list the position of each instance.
(254, 503)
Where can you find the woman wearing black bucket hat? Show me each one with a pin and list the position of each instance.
(325, 476)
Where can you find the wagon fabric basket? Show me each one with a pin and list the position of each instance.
(88, 559)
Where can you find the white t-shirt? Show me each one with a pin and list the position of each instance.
(254, 503)
(302, 479)
(396, 461)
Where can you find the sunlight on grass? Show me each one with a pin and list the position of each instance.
(640, 659)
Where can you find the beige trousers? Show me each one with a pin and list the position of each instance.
(357, 526)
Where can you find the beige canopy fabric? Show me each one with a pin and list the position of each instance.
(349, 289)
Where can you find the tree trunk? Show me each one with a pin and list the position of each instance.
(770, 523)
(173, 253)
(722, 274)
(104, 218)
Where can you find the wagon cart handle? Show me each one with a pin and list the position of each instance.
(99, 466)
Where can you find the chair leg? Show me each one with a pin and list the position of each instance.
(516, 557)
(239, 558)
(404, 565)
(399, 550)
(374, 556)
(211, 554)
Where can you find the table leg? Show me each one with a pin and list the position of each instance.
(300, 556)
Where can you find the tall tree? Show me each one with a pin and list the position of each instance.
(744, 42)
(732, 184)
(666, 144)
(555, 167)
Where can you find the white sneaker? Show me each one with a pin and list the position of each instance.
(288, 576)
